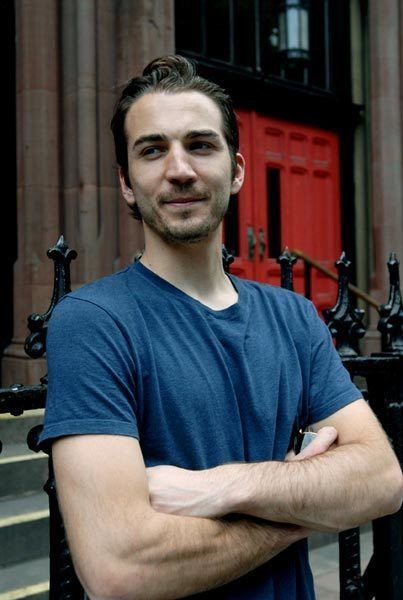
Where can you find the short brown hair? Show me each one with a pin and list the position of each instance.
(171, 74)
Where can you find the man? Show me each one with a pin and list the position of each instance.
(172, 365)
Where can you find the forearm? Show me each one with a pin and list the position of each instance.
(180, 556)
(341, 488)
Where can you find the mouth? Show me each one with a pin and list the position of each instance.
(184, 202)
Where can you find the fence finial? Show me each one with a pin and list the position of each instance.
(286, 261)
(62, 255)
(227, 258)
(391, 313)
(344, 320)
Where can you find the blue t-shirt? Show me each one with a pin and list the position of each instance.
(131, 354)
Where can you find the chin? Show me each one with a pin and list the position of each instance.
(194, 232)
(190, 230)
(186, 237)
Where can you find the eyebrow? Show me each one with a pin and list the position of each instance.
(195, 133)
(159, 137)
(152, 137)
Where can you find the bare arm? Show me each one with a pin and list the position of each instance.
(123, 548)
(355, 482)
(358, 480)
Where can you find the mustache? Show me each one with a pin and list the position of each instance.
(194, 194)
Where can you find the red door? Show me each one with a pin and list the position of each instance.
(290, 198)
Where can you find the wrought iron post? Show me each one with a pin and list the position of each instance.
(385, 392)
(308, 280)
(391, 322)
(286, 262)
(60, 253)
(344, 320)
(64, 584)
(386, 398)
(345, 325)
(351, 585)
(227, 259)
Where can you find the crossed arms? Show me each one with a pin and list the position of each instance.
(157, 533)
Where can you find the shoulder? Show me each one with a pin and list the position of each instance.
(281, 301)
(288, 312)
(105, 292)
(100, 304)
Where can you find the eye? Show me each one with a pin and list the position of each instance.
(201, 146)
(151, 151)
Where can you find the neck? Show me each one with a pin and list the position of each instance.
(196, 268)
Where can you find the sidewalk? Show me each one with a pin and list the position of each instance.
(325, 567)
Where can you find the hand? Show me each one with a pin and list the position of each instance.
(324, 440)
(184, 492)
(179, 491)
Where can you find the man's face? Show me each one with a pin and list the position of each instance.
(179, 165)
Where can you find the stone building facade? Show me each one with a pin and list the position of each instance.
(71, 58)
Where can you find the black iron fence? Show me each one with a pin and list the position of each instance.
(380, 377)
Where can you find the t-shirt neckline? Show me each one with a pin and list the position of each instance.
(172, 289)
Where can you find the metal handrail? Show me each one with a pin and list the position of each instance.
(357, 291)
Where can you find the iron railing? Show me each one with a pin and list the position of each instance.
(310, 263)
(383, 389)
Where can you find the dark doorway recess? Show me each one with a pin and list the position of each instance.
(274, 212)
(240, 49)
(8, 220)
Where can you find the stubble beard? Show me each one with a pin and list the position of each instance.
(185, 232)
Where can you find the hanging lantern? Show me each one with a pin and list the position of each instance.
(294, 30)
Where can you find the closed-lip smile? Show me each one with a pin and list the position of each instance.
(184, 200)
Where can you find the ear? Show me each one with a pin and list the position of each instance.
(127, 191)
(239, 174)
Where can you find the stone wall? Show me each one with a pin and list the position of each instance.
(72, 56)
(386, 161)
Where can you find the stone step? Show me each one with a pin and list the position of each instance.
(21, 470)
(27, 580)
(24, 528)
(14, 430)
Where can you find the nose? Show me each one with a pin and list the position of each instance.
(179, 169)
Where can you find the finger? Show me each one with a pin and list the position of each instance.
(326, 436)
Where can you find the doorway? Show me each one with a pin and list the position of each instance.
(291, 197)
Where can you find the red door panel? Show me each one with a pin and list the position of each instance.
(291, 197)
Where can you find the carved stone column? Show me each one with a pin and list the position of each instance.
(37, 73)
(103, 44)
(386, 68)
(90, 197)
(67, 85)
(387, 134)
(145, 30)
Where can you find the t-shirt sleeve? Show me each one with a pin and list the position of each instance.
(91, 373)
(330, 386)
